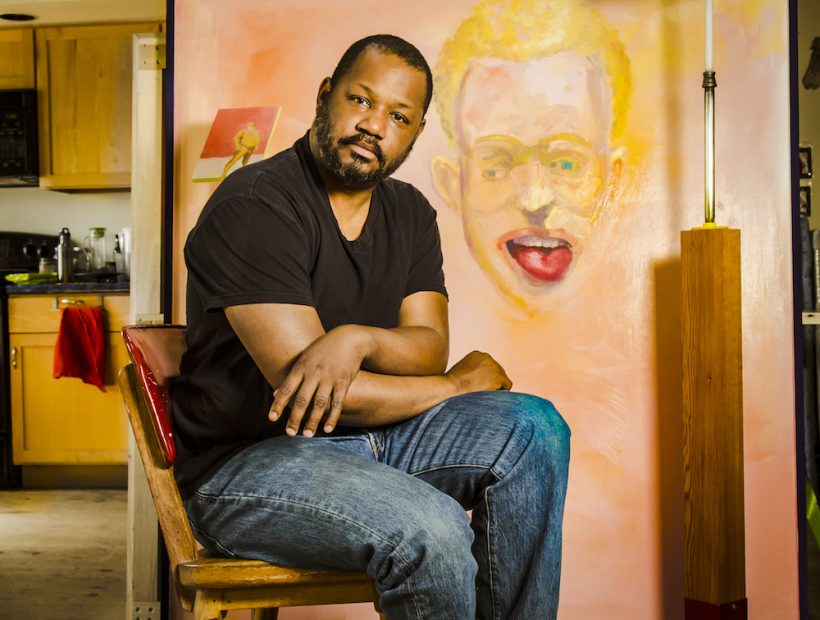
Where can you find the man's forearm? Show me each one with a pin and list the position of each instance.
(372, 399)
(375, 399)
(405, 351)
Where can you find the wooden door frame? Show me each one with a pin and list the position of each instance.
(143, 592)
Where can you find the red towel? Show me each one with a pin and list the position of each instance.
(80, 348)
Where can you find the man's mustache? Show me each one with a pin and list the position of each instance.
(370, 142)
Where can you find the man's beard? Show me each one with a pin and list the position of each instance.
(352, 175)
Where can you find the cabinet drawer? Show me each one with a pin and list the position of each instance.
(31, 314)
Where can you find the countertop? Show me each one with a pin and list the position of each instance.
(69, 287)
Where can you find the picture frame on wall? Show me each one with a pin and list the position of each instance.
(238, 136)
(804, 156)
(805, 200)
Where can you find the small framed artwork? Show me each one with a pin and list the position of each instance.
(238, 136)
(804, 156)
(805, 200)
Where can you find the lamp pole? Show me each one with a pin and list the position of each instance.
(709, 85)
(715, 571)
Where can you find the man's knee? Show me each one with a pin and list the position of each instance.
(434, 536)
(550, 432)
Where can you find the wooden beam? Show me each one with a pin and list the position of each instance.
(713, 424)
(142, 587)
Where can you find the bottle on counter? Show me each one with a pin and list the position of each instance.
(65, 256)
(48, 264)
(119, 259)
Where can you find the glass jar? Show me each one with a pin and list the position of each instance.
(95, 247)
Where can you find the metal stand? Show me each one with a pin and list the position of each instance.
(709, 85)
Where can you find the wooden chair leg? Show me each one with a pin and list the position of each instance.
(207, 606)
(266, 613)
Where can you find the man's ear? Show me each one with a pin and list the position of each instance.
(324, 92)
(617, 173)
(447, 181)
(617, 159)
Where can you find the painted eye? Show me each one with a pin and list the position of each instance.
(493, 173)
(400, 118)
(568, 162)
(565, 165)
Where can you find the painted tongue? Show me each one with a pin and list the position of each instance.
(547, 264)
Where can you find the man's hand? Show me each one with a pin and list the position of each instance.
(321, 375)
(478, 371)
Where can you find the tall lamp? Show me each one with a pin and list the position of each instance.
(712, 398)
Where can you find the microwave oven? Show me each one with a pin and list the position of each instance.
(19, 164)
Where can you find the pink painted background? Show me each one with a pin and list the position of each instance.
(608, 355)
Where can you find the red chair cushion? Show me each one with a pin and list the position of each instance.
(156, 351)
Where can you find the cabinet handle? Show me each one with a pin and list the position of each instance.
(57, 302)
(14, 357)
(65, 301)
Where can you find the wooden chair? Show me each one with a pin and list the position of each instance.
(208, 585)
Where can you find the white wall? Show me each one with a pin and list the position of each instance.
(30, 209)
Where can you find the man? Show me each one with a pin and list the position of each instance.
(314, 274)
(245, 142)
(538, 167)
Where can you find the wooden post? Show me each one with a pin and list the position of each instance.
(142, 586)
(713, 425)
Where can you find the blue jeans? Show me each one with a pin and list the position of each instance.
(392, 501)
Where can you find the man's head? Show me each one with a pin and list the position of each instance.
(534, 98)
(386, 44)
(371, 110)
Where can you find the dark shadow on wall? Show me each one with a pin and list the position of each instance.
(667, 320)
(669, 395)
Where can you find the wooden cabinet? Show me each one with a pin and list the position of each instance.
(64, 421)
(84, 76)
(16, 58)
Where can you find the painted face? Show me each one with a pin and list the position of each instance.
(534, 167)
(366, 124)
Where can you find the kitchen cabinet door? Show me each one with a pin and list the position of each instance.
(84, 76)
(65, 421)
(16, 58)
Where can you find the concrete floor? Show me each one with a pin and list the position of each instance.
(62, 556)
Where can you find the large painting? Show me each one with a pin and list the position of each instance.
(564, 155)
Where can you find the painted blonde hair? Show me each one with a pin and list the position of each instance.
(520, 30)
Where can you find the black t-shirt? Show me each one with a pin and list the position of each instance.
(268, 235)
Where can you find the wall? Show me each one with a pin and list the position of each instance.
(30, 209)
(604, 345)
(808, 27)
